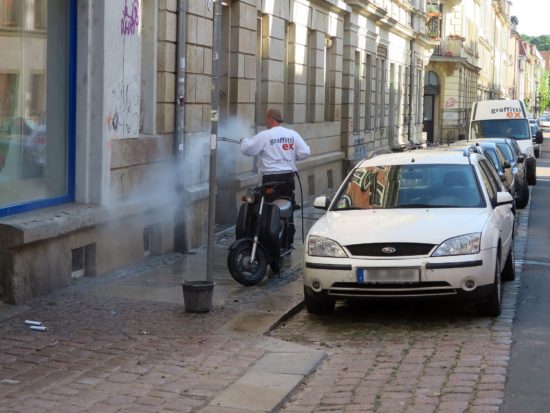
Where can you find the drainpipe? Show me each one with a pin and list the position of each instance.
(411, 90)
(179, 127)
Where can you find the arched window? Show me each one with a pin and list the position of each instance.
(431, 83)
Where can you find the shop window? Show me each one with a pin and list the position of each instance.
(36, 139)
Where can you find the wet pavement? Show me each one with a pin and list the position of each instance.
(124, 342)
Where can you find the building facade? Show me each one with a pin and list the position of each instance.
(477, 58)
(106, 112)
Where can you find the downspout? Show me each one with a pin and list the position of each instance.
(179, 127)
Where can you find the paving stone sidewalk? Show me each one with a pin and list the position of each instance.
(124, 342)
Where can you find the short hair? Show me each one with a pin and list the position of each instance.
(275, 114)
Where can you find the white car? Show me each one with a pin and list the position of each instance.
(424, 223)
(544, 121)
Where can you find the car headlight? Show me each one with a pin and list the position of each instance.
(324, 247)
(462, 245)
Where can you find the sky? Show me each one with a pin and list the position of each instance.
(533, 16)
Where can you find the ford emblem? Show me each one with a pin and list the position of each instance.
(388, 250)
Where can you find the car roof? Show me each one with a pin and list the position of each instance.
(419, 156)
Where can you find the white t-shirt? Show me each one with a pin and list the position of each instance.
(279, 149)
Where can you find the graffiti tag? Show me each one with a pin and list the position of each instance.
(451, 103)
(130, 18)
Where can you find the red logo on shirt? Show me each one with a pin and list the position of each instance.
(288, 146)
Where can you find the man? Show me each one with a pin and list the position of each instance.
(278, 148)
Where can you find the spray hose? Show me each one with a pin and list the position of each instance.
(302, 205)
(223, 138)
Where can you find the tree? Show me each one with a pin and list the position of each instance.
(542, 42)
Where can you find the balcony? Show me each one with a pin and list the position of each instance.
(452, 46)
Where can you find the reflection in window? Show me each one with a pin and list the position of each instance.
(406, 186)
(33, 101)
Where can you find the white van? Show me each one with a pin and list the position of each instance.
(505, 119)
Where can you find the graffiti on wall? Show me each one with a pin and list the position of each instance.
(122, 120)
(359, 148)
(451, 103)
(129, 22)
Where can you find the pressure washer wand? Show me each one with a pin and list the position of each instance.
(222, 138)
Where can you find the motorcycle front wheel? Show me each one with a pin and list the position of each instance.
(242, 269)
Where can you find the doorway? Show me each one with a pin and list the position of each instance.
(431, 94)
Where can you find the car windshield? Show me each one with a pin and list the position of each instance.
(501, 128)
(410, 186)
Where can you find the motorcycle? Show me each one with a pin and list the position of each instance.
(262, 234)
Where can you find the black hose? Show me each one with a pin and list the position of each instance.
(301, 205)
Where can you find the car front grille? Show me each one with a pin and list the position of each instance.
(395, 249)
(420, 289)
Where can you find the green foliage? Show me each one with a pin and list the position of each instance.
(544, 91)
(542, 42)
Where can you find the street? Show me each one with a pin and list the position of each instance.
(438, 357)
(124, 343)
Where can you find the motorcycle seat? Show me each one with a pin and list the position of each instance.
(285, 207)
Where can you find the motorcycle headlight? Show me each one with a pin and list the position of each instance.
(462, 245)
(249, 196)
(324, 247)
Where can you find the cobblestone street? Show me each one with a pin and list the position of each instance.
(425, 357)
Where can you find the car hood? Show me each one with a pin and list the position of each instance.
(428, 225)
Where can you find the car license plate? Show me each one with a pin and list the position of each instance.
(387, 275)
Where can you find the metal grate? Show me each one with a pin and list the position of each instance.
(396, 249)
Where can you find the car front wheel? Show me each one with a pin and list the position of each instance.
(493, 306)
(509, 270)
(320, 303)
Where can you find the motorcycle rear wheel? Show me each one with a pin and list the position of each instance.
(240, 267)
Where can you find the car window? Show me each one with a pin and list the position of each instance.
(410, 186)
(492, 155)
(491, 182)
(507, 152)
(500, 155)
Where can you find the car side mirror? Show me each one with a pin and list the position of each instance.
(521, 158)
(539, 137)
(321, 202)
(504, 198)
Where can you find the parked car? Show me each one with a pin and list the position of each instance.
(425, 223)
(492, 152)
(512, 152)
(536, 136)
(544, 121)
(505, 119)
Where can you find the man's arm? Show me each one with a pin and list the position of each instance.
(302, 149)
(252, 146)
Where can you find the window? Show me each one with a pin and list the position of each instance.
(37, 105)
(329, 84)
(368, 92)
(356, 92)
(310, 75)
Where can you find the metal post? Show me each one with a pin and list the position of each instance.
(214, 116)
(180, 88)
